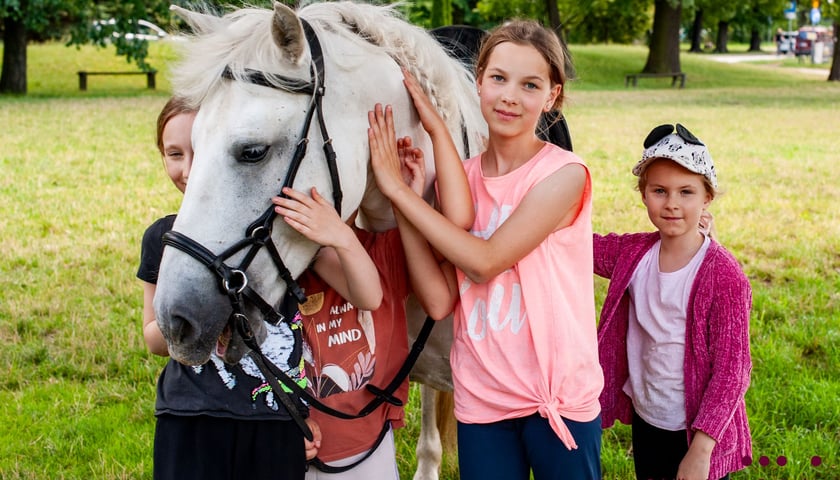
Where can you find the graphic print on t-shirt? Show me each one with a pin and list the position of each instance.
(343, 334)
(278, 347)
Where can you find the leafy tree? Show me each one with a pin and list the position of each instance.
(724, 12)
(496, 11)
(582, 21)
(664, 49)
(441, 13)
(23, 20)
(28, 20)
(696, 31)
(831, 10)
(419, 12)
(609, 21)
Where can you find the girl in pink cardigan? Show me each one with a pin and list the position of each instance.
(673, 338)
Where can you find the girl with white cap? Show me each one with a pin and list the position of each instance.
(673, 338)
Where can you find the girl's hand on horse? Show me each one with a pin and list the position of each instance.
(429, 116)
(413, 164)
(384, 153)
(315, 218)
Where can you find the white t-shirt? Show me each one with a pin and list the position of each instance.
(656, 339)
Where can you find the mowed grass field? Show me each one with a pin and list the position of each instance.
(81, 180)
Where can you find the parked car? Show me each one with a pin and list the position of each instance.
(146, 30)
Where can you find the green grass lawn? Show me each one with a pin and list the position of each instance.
(81, 179)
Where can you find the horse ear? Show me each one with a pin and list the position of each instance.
(287, 32)
(199, 22)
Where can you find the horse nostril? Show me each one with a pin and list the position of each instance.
(180, 329)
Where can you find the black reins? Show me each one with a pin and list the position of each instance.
(233, 281)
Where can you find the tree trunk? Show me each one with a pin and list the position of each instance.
(755, 40)
(697, 32)
(664, 50)
(13, 75)
(554, 16)
(834, 74)
(557, 27)
(441, 13)
(722, 37)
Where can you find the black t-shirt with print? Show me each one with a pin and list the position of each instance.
(215, 388)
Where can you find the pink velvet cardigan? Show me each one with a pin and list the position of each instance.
(717, 361)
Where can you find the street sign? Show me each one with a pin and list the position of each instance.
(790, 12)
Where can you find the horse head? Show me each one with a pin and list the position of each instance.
(269, 83)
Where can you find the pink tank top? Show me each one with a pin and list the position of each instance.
(525, 341)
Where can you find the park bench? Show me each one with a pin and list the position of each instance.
(634, 77)
(83, 74)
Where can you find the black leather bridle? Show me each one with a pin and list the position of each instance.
(233, 281)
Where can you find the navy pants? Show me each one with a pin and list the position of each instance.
(657, 453)
(511, 449)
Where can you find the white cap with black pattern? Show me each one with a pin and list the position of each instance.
(681, 147)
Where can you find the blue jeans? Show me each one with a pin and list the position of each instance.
(511, 449)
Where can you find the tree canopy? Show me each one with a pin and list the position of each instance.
(25, 21)
(658, 22)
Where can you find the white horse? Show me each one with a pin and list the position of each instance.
(258, 77)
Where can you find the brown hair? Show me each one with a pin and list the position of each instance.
(174, 106)
(528, 32)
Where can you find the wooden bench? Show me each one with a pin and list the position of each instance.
(150, 77)
(634, 77)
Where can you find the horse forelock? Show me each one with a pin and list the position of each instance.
(242, 41)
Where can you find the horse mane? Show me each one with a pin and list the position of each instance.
(450, 86)
(246, 40)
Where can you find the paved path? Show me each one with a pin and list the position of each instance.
(744, 57)
(762, 57)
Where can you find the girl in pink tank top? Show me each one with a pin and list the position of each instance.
(524, 355)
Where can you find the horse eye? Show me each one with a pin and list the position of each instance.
(253, 153)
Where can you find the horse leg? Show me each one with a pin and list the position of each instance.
(446, 423)
(429, 449)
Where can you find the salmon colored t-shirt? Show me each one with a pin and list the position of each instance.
(347, 349)
(525, 341)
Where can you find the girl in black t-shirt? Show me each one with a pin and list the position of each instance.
(217, 421)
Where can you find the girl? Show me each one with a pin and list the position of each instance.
(343, 371)
(674, 331)
(524, 355)
(214, 421)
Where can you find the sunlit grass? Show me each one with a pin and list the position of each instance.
(81, 180)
